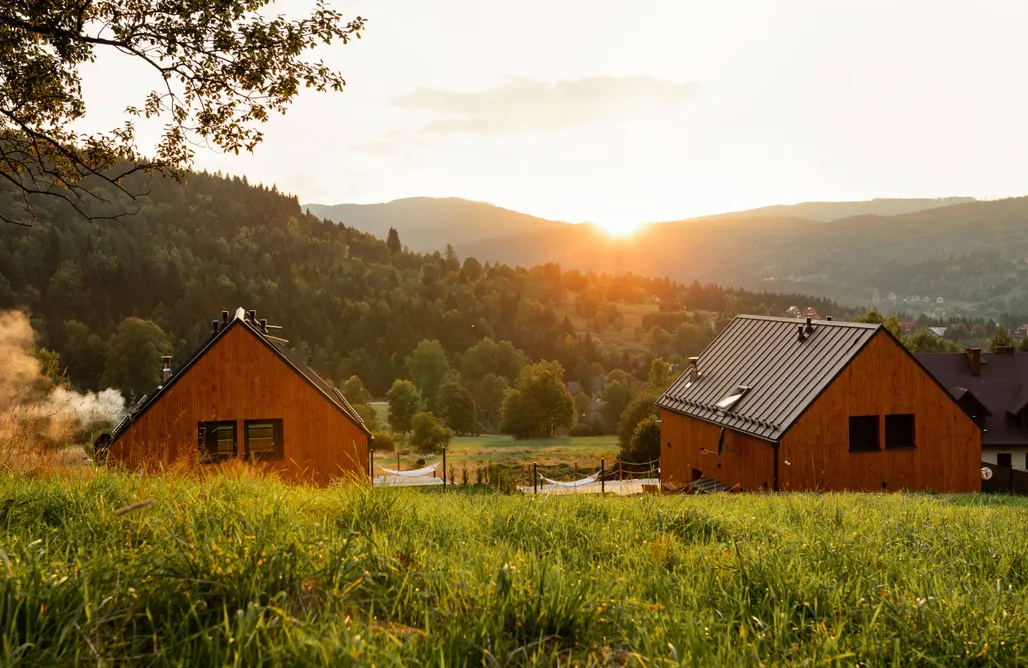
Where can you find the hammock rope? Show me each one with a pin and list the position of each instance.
(584, 481)
(416, 473)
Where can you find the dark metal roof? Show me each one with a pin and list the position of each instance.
(783, 374)
(241, 319)
(1001, 389)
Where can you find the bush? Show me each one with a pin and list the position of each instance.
(382, 441)
(581, 429)
(645, 443)
(427, 435)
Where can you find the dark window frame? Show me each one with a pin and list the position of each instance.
(900, 436)
(279, 452)
(202, 431)
(862, 443)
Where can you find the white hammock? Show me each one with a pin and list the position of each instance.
(584, 481)
(416, 473)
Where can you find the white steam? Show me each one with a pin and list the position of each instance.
(32, 410)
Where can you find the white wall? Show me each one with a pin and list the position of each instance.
(1017, 456)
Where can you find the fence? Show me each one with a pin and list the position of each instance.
(619, 477)
(1004, 480)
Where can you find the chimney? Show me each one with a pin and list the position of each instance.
(1004, 350)
(264, 325)
(166, 370)
(974, 358)
(253, 317)
(802, 335)
(224, 317)
(214, 327)
(693, 371)
(829, 318)
(810, 327)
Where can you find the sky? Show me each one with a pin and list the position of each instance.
(637, 111)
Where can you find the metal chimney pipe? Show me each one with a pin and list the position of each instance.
(224, 317)
(802, 335)
(166, 368)
(253, 316)
(693, 371)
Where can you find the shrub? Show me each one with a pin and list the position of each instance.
(383, 441)
(427, 435)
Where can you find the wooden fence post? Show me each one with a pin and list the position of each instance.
(535, 478)
(444, 468)
(602, 484)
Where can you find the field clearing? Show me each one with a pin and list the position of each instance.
(621, 337)
(244, 571)
(557, 457)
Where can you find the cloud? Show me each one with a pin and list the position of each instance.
(523, 104)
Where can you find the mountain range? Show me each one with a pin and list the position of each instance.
(970, 253)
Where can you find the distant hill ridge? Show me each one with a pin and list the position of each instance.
(829, 211)
(969, 252)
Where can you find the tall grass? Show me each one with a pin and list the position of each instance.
(229, 570)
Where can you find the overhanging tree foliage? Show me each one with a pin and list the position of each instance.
(220, 70)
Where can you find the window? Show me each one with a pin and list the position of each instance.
(864, 433)
(264, 440)
(733, 398)
(899, 432)
(1004, 459)
(217, 440)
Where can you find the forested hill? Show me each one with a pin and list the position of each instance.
(828, 211)
(427, 224)
(971, 255)
(344, 300)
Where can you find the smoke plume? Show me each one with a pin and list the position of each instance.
(34, 410)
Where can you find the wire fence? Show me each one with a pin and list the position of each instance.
(619, 477)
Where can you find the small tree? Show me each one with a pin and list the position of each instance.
(644, 445)
(427, 435)
(393, 241)
(383, 441)
(354, 391)
(428, 367)
(134, 356)
(1000, 338)
(642, 407)
(660, 375)
(404, 402)
(369, 415)
(539, 404)
(457, 408)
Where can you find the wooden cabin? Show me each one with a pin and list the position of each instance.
(781, 404)
(243, 395)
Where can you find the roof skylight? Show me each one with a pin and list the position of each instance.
(728, 402)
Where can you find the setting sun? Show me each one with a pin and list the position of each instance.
(616, 228)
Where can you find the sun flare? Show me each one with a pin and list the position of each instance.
(614, 228)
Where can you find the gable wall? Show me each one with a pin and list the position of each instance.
(747, 462)
(882, 379)
(239, 379)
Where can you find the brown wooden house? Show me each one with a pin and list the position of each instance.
(790, 405)
(244, 395)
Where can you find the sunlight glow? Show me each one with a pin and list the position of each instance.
(619, 228)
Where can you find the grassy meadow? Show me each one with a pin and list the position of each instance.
(234, 570)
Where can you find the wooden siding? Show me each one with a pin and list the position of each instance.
(239, 379)
(747, 462)
(883, 379)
